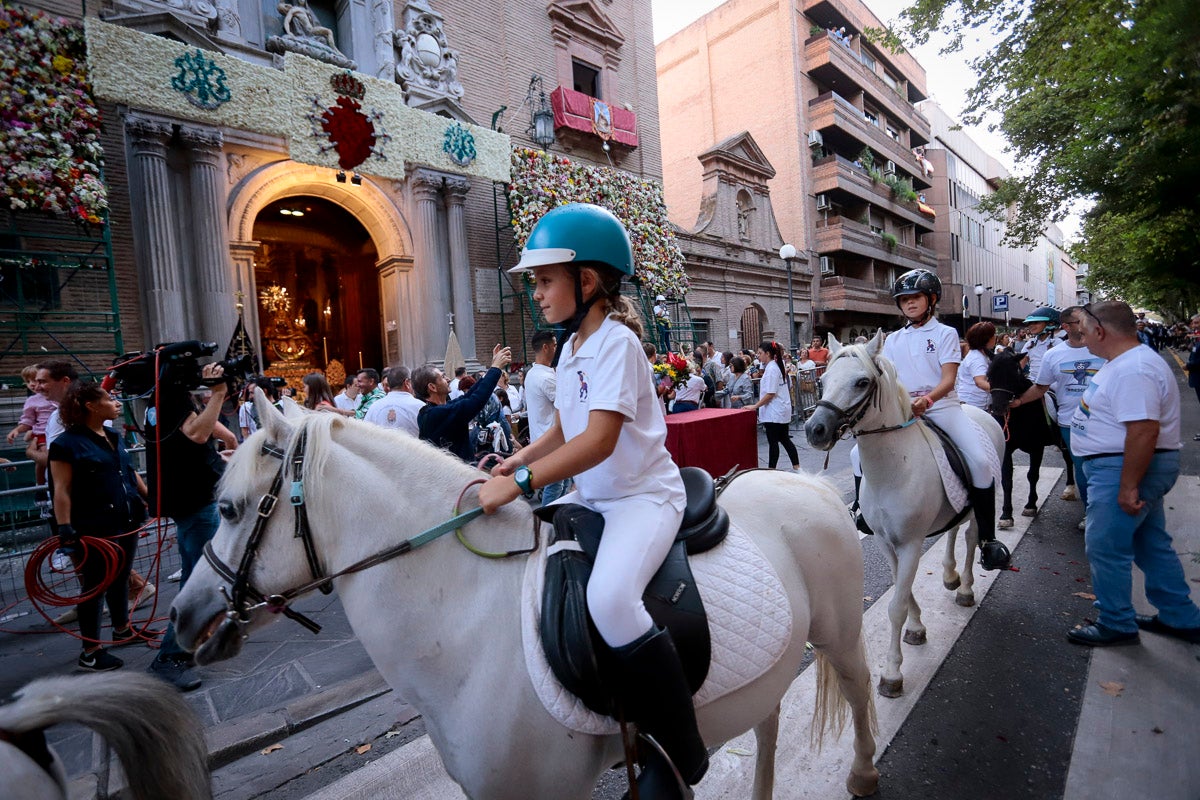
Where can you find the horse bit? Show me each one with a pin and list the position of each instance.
(243, 598)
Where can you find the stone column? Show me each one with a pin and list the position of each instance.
(242, 256)
(460, 265)
(433, 280)
(210, 291)
(159, 256)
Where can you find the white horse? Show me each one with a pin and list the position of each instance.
(443, 626)
(902, 494)
(157, 739)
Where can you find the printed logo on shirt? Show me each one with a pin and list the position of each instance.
(1081, 372)
(930, 347)
(583, 385)
(391, 416)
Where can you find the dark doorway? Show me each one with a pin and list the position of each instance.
(318, 288)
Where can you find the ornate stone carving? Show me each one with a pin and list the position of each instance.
(148, 134)
(201, 13)
(303, 34)
(238, 166)
(229, 22)
(427, 68)
(426, 184)
(457, 188)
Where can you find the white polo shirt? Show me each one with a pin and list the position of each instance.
(1136, 385)
(396, 410)
(780, 407)
(920, 352)
(610, 373)
(539, 399)
(1037, 349)
(1068, 370)
(975, 365)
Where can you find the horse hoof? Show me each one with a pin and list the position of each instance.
(965, 600)
(1005, 522)
(1069, 493)
(914, 637)
(863, 785)
(1029, 512)
(952, 585)
(891, 688)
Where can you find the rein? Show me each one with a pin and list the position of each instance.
(243, 598)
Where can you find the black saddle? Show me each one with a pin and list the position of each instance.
(579, 658)
(958, 465)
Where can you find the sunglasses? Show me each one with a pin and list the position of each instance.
(1087, 310)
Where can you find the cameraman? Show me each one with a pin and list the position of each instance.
(189, 469)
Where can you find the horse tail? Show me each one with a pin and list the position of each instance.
(831, 709)
(156, 737)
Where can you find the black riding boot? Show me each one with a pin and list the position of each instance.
(656, 697)
(860, 521)
(992, 552)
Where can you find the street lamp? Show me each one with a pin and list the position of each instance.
(979, 300)
(541, 116)
(788, 254)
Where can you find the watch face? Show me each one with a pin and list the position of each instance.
(522, 474)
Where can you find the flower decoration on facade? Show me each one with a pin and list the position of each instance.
(459, 144)
(672, 373)
(50, 153)
(200, 80)
(353, 134)
(542, 181)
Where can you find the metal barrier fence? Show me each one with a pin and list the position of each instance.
(806, 391)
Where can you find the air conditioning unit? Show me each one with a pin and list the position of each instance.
(890, 168)
(826, 265)
(815, 139)
(823, 202)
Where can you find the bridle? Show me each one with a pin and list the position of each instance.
(847, 418)
(242, 598)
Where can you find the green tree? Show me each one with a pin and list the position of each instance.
(1100, 100)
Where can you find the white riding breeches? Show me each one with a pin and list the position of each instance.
(950, 417)
(638, 533)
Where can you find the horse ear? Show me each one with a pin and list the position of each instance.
(291, 409)
(271, 418)
(875, 346)
(833, 344)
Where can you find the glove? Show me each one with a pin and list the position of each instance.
(68, 534)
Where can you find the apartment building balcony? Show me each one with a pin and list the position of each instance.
(843, 128)
(838, 234)
(834, 174)
(840, 293)
(834, 64)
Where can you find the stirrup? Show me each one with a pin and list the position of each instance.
(685, 791)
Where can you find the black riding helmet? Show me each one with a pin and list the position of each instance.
(918, 281)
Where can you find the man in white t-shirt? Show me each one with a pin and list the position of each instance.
(347, 398)
(399, 407)
(1126, 430)
(540, 384)
(1067, 370)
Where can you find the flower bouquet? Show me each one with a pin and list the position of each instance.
(672, 373)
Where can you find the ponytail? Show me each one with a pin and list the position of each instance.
(608, 292)
(621, 308)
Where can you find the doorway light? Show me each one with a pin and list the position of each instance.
(294, 212)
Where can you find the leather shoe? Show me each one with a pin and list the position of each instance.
(174, 672)
(1154, 625)
(1098, 635)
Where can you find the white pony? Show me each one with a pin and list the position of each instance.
(902, 495)
(157, 739)
(443, 626)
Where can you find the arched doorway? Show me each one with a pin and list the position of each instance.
(317, 288)
(752, 326)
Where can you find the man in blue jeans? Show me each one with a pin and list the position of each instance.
(183, 467)
(1126, 431)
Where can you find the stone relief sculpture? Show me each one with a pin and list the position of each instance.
(304, 34)
(427, 68)
(201, 13)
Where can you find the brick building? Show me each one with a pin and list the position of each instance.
(265, 186)
(834, 115)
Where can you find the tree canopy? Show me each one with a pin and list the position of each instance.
(1100, 100)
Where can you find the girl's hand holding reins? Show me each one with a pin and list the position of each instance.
(507, 467)
(498, 491)
(920, 405)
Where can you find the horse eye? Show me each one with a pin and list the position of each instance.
(229, 510)
(862, 383)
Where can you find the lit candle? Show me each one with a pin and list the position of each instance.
(360, 366)
(325, 347)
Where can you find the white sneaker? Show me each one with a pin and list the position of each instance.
(148, 591)
(61, 562)
(175, 576)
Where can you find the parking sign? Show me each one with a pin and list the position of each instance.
(999, 303)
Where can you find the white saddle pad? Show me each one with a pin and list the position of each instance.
(956, 491)
(749, 620)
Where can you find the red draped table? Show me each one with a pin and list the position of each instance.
(714, 439)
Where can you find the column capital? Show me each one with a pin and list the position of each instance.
(457, 188)
(148, 134)
(425, 184)
(199, 141)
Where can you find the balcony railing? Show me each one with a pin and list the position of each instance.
(840, 293)
(580, 112)
(836, 172)
(839, 233)
(831, 110)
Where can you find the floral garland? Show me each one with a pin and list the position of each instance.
(672, 373)
(50, 153)
(541, 181)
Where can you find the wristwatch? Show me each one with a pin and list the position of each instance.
(524, 478)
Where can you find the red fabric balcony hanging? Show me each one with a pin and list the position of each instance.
(580, 112)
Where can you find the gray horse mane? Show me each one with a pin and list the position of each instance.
(156, 737)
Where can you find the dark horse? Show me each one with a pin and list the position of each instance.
(1027, 428)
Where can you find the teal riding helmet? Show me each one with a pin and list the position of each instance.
(578, 232)
(1045, 314)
